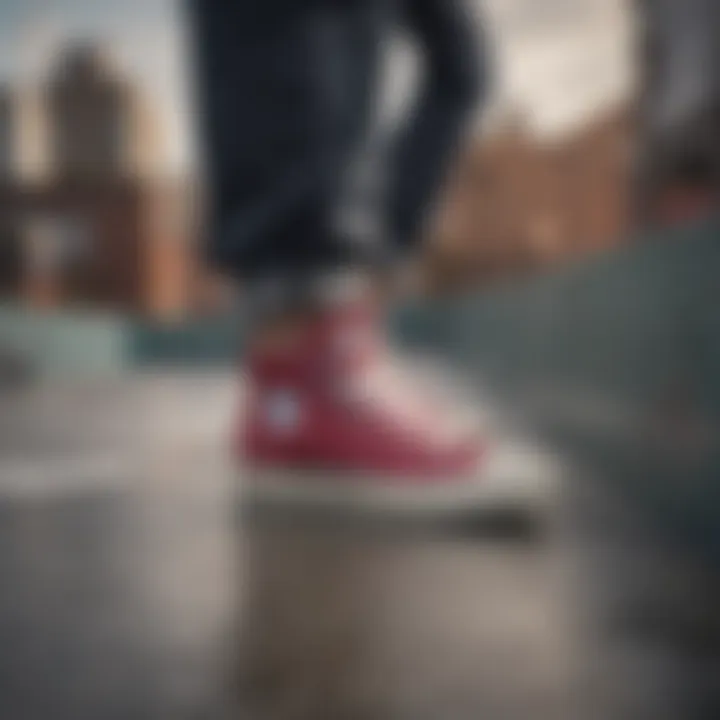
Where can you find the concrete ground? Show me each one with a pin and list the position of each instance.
(132, 588)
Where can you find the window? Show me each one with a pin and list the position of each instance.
(57, 244)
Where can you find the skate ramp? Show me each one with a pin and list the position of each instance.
(617, 359)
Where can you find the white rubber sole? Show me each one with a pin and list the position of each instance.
(502, 484)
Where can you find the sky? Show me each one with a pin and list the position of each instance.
(558, 61)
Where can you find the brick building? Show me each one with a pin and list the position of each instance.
(110, 245)
(101, 228)
(99, 124)
(517, 203)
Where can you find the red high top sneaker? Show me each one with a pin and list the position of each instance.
(330, 422)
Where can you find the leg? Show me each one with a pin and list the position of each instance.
(274, 125)
(453, 82)
(362, 27)
(321, 392)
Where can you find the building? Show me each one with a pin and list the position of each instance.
(120, 246)
(102, 228)
(596, 175)
(679, 110)
(7, 131)
(22, 138)
(517, 204)
(101, 126)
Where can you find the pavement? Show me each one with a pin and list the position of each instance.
(132, 588)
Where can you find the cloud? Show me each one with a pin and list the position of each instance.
(557, 59)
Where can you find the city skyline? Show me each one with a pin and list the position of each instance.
(545, 58)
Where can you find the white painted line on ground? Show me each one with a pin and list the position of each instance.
(52, 477)
(55, 476)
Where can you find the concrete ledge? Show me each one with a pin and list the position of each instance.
(60, 344)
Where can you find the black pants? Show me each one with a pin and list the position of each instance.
(286, 92)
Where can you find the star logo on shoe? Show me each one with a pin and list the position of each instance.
(283, 411)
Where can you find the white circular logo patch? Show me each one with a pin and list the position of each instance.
(283, 411)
